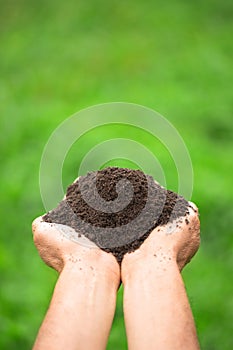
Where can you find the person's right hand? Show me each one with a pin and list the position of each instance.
(176, 242)
(58, 252)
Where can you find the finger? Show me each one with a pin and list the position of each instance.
(44, 230)
(41, 226)
(192, 208)
(60, 231)
(37, 224)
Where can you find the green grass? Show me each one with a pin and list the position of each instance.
(57, 58)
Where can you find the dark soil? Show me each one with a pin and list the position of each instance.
(117, 208)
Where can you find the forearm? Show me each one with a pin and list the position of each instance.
(154, 295)
(81, 311)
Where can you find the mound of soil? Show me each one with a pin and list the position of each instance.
(117, 208)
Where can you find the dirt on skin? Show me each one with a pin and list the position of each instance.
(117, 208)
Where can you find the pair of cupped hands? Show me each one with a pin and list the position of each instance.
(162, 247)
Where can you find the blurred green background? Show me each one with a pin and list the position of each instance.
(58, 57)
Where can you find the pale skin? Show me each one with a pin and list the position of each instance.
(156, 308)
(84, 299)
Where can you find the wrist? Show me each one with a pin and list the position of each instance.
(94, 264)
(151, 266)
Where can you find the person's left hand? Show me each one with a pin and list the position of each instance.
(175, 242)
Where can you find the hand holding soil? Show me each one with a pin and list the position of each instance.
(59, 252)
(117, 208)
(176, 242)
